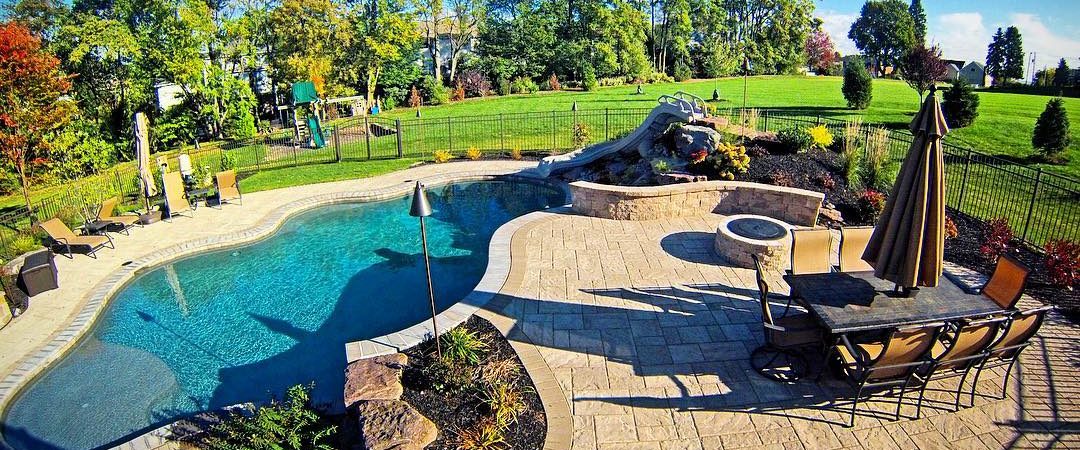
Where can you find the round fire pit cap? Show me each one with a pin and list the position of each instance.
(756, 228)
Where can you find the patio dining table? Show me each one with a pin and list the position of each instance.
(858, 301)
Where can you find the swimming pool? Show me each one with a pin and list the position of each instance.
(246, 323)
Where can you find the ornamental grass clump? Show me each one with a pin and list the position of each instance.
(851, 153)
(875, 171)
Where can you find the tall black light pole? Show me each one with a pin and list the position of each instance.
(421, 208)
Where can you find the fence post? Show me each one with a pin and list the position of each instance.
(337, 144)
(397, 126)
(553, 132)
(502, 134)
(765, 126)
(367, 136)
(1031, 205)
(450, 135)
(963, 180)
(607, 135)
(818, 121)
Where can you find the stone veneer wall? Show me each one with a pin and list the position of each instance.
(795, 206)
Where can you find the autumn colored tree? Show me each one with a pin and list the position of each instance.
(821, 55)
(32, 99)
(923, 68)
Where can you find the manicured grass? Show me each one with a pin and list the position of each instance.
(321, 173)
(1003, 128)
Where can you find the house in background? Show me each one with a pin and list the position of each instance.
(975, 73)
(952, 67)
(443, 47)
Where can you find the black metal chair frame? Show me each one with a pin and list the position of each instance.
(770, 347)
(92, 249)
(966, 364)
(1001, 356)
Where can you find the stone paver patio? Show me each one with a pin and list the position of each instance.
(649, 333)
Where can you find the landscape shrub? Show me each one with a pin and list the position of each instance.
(551, 84)
(997, 238)
(825, 181)
(434, 91)
(475, 83)
(781, 178)
(728, 159)
(858, 86)
(441, 156)
(820, 137)
(79, 150)
(851, 152)
(951, 230)
(794, 139)
(228, 161)
(682, 71)
(588, 80)
(611, 81)
(1051, 133)
(657, 77)
(290, 424)
(486, 435)
(869, 205)
(524, 85)
(960, 104)
(504, 402)
(458, 92)
(450, 376)
(661, 166)
(515, 154)
(581, 135)
(22, 244)
(414, 98)
(174, 128)
(473, 153)
(502, 86)
(1063, 263)
(463, 346)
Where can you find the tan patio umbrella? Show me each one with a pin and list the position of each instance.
(142, 152)
(908, 241)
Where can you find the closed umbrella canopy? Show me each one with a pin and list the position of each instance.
(142, 152)
(909, 240)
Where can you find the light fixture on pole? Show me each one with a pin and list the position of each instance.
(421, 208)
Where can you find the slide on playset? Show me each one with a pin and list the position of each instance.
(679, 107)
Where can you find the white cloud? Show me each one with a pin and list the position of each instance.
(1048, 46)
(837, 25)
(960, 35)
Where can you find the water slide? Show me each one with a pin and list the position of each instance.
(679, 107)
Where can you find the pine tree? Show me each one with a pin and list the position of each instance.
(858, 87)
(1052, 129)
(918, 14)
(1014, 54)
(960, 104)
(995, 58)
(1061, 74)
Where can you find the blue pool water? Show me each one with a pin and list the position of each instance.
(244, 324)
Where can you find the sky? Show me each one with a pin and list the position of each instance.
(963, 28)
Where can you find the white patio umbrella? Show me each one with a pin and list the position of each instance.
(142, 152)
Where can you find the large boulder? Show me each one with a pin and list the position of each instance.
(694, 138)
(394, 425)
(376, 378)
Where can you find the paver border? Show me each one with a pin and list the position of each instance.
(33, 364)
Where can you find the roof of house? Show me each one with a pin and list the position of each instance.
(980, 65)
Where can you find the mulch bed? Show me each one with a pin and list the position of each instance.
(814, 170)
(465, 410)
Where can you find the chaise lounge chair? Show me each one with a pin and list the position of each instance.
(227, 186)
(62, 236)
(176, 201)
(105, 214)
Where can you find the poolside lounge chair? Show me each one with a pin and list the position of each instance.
(1019, 329)
(227, 186)
(961, 348)
(1007, 283)
(853, 242)
(810, 251)
(175, 198)
(62, 236)
(890, 363)
(105, 214)
(784, 336)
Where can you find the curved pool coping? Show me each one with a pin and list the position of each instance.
(40, 359)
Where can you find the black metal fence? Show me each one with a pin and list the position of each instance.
(1039, 205)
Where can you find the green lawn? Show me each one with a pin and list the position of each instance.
(321, 173)
(1003, 128)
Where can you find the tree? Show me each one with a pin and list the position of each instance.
(918, 16)
(307, 37)
(1052, 130)
(923, 68)
(1061, 74)
(884, 32)
(960, 104)
(821, 54)
(771, 33)
(1013, 50)
(431, 16)
(467, 15)
(32, 99)
(858, 87)
(995, 57)
(384, 29)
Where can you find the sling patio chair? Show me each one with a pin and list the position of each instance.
(1007, 283)
(784, 337)
(811, 251)
(853, 242)
(62, 236)
(961, 347)
(124, 222)
(890, 363)
(227, 186)
(1020, 327)
(176, 201)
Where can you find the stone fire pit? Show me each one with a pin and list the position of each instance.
(742, 235)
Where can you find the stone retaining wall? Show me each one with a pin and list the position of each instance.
(794, 206)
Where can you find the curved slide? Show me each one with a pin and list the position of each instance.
(680, 107)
